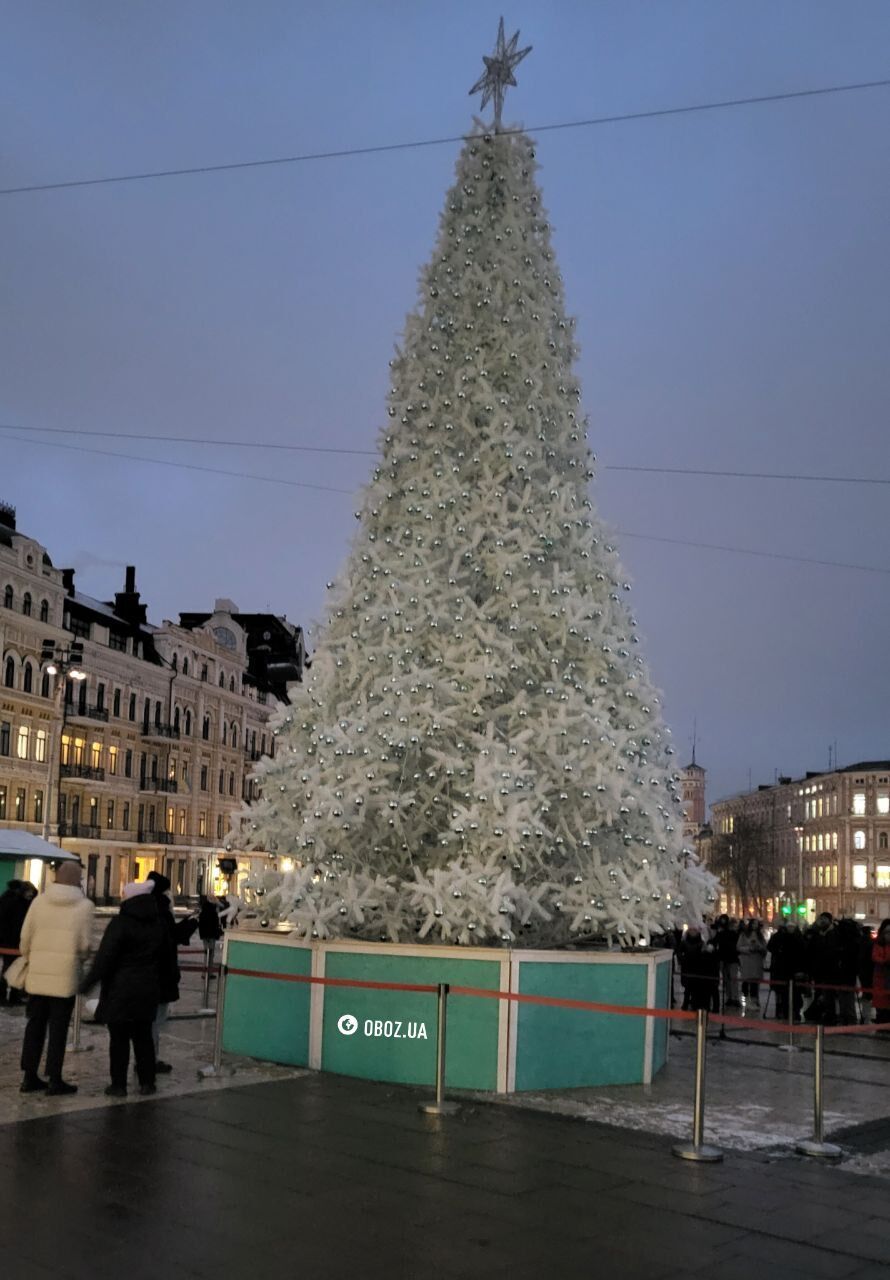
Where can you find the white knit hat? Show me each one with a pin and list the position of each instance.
(136, 889)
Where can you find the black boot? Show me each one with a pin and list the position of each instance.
(33, 1084)
(60, 1088)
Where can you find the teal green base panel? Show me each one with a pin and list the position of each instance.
(571, 1048)
(268, 1020)
(661, 1026)
(10, 870)
(391, 1035)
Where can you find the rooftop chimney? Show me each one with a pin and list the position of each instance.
(127, 604)
(7, 516)
(68, 581)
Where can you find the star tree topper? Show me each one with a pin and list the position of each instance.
(498, 72)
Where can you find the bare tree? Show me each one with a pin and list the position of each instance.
(746, 861)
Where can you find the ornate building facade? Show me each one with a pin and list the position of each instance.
(139, 765)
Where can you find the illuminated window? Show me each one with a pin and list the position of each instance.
(21, 743)
(821, 842)
(858, 839)
(882, 802)
(182, 822)
(859, 803)
(882, 877)
(819, 807)
(170, 820)
(834, 839)
(95, 755)
(79, 745)
(40, 746)
(38, 806)
(834, 876)
(834, 802)
(860, 875)
(21, 796)
(202, 823)
(112, 760)
(821, 877)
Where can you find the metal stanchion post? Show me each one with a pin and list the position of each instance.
(721, 997)
(76, 1024)
(440, 1107)
(817, 1146)
(209, 958)
(697, 1149)
(216, 1067)
(790, 1047)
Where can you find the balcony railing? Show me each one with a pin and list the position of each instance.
(79, 831)
(158, 784)
(160, 731)
(253, 754)
(154, 837)
(88, 772)
(74, 711)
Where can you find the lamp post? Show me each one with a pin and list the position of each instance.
(63, 662)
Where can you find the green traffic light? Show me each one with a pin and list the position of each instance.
(801, 908)
(786, 909)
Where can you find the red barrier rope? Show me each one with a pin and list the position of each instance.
(332, 982)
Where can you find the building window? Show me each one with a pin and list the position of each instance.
(96, 755)
(860, 875)
(158, 714)
(44, 685)
(203, 777)
(5, 730)
(100, 697)
(125, 816)
(231, 684)
(231, 784)
(79, 628)
(28, 678)
(234, 735)
(205, 729)
(224, 730)
(188, 723)
(116, 704)
(176, 719)
(9, 673)
(220, 827)
(21, 743)
(222, 781)
(182, 822)
(171, 819)
(21, 797)
(109, 815)
(882, 802)
(112, 760)
(117, 640)
(859, 803)
(882, 840)
(184, 775)
(26, 604)
(858, 839)
(44, 611)
(8, 597)
(202, 823)
(40, 746)
(204, 673)
(146, 715)
(131, 709)
(128, 763)
(2, 801)
(38, 806)
(94, 811)
(222, 680)
(882, 876)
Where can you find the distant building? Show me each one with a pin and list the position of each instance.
(141, 765)
(692, 791)
(828, 833)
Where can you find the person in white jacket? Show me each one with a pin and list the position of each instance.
(56, 940)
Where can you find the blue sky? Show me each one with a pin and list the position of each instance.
(729, 272)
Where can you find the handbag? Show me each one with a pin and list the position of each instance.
(17, 973)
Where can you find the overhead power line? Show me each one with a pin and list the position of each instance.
(301, 484)
(346, 152)
(372, 453)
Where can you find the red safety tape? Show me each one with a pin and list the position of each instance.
(760, 1024)
(865, 1028)
(783, 982)
(9, 951)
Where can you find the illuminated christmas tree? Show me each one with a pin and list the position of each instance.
(478, 754)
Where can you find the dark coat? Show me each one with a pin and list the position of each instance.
(130, 962)
(13, 909)
(725, 942)
(699, 966)
(170, 967)
(209, 923)
(786, 949)
(822, 955)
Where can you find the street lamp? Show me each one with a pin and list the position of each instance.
(63, 662)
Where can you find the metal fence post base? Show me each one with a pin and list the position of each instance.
(439, 1108)
(215, 1069)
(75, 1045)
(819, 1150)
(704, 1153)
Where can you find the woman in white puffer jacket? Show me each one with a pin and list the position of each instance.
(56, 939)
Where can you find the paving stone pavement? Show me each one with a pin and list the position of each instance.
(323, 1177)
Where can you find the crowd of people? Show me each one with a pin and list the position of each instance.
(836, 971)
(135, 969)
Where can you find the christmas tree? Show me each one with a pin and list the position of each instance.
(478, 754)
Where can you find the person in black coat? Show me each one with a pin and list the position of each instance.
(14, 904)
(786, 952)
(170, 974)
(132, 967)
(699, 968)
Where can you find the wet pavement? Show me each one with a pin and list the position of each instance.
(329, 1178)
